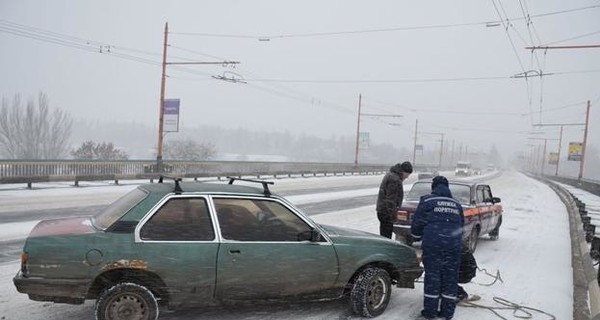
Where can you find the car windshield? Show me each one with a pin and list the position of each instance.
(117, 209)
(460, 192)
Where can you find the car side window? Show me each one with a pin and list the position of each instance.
(180, 219)
(484, 194)
(479, 193)
(487, 194)
(257, 220)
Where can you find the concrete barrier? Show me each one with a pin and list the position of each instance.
(586, 291)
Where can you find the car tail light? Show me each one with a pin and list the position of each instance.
(402, 215)
(24, 260)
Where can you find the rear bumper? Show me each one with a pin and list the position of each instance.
(407, 277)
(56, 290)
(402, 230)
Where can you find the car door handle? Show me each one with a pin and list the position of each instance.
(234, 251)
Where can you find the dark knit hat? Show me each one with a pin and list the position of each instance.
(439, 180)
(406, 167)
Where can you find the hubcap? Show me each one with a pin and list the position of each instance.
(127, 307)
(377, 293)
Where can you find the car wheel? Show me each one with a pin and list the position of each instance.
(472, 240)
(126, 300)
(495, 234)
(371, 291)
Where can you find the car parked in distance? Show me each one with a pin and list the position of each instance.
(483, 211)
(427, 173)
(184, 244)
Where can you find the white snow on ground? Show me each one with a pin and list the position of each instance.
(532, 257)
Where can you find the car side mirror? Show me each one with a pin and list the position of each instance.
(311, 235)
(495, 200)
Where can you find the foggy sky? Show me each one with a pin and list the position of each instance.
(435, 61)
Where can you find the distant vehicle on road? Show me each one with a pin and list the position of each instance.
(483, 211)
(179, 244)
(463, 168)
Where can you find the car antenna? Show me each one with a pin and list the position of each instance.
(177, 181)
(264, 183)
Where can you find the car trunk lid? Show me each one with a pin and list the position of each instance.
(67, 226)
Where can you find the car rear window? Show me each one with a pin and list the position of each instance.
(460, 192)
(117, 209)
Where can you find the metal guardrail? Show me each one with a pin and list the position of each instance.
(591, 186)
(29, 172)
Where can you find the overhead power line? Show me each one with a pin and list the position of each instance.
(571, 38)
(390, 29)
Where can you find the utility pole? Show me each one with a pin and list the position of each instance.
(589, 46)
(441, 152)
(559, 148)
(414, 162)
(161, 107)
(358, 124)
(543, 152)
(585, 132)
(357, 130)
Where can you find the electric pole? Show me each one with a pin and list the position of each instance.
(585, 133)
(161, 107)
(358, 124)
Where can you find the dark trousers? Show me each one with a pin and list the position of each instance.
(386, 224)
(441, 280)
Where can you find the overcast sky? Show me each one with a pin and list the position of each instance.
(456, 66)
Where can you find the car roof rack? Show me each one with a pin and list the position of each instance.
(177, 181)
(264, 183)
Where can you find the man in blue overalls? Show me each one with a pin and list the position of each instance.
(438, 220)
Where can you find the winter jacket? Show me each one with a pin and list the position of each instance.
(438, 217)
(391, 192)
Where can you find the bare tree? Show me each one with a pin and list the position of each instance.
(188, 150)
(90, 150)
(33, 132)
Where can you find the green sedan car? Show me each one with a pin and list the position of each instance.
(182, 244)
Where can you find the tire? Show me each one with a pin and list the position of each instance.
(472, 240)
(371, 291)
(495, 234)
(125, 301)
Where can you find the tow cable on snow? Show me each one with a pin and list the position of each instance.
(496, 277)
(519, 311)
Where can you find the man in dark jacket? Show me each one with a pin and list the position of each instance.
(390, 196)
(438, 220)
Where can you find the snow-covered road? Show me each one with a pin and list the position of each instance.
(532, 256)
